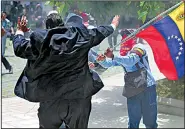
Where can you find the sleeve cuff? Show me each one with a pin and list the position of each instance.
(113, 26)
(101, 61)
(19, 32)
(115, 58)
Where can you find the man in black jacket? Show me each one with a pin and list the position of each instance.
(57, 73)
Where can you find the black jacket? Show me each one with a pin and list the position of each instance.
(57, 63)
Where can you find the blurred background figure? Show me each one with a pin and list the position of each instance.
(112, 39)
(38, 11)
(39, 24)
(6, 29)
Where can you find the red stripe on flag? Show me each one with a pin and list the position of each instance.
(160, 51)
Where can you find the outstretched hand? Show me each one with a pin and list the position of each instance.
(91, 65)
(115, 20)
(109, 53)
(22, 24)
(101, 57)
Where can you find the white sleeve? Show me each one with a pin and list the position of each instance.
(19, 32)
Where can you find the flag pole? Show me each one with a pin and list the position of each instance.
(148, 23)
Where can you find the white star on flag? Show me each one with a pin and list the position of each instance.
(181, 43)
(179, 53)
(181, 48)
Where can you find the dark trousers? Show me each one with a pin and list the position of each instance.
(114, 38)
(5, 63)
(74, 113)
(143, 105)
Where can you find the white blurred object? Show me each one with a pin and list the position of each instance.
(51, 12)
(90, 27)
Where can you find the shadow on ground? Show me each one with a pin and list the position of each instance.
(109, 110)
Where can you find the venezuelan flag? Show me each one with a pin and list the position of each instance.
(166, 38)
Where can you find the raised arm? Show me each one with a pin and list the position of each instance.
(101, 32)
(22, 47)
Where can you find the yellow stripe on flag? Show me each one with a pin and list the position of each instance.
(178, 17)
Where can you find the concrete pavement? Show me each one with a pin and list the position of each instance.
(109, 110)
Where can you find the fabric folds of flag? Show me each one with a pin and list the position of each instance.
(166, 38)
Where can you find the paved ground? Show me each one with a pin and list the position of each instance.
(109, 110)
(109, 107)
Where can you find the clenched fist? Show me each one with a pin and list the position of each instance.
(101, 57)
(109, 53)
(91, 65)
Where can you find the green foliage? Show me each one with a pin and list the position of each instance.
(142, 15)
(150, 9)
(104, 10)
(62, 6)
(101, 10)
(171, 89)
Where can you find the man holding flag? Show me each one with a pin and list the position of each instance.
(166, 38)
(141, 101)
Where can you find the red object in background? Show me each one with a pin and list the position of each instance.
(84, 17)
(126, 46)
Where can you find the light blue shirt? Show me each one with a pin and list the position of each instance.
(129, 62)
(92, 55)
(6, 24)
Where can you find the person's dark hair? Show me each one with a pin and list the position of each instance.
(4, 12)
(74, 7)
(15, 3)
(54, 7)
(53, 20)
(125, 32)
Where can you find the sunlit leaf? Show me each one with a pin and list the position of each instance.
(144, 18)
(47, 3)
(142, 14)
(142, 3)
(129, 2)
(61, 7)
(139, 12)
